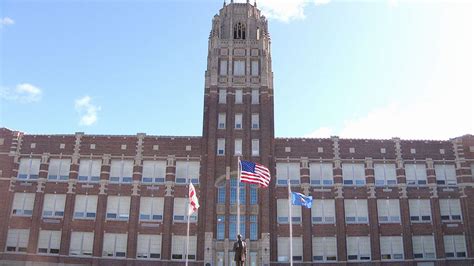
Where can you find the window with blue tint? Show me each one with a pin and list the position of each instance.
(154, 171)
(221, 194)
(233, 226)
(121, 171)
(186, 170)
(233, 192)
(253, 194)
(29, 168)
(253, 227)
(59, 169)
(220, 227)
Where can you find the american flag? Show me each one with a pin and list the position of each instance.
(254, 173)
(193, 200)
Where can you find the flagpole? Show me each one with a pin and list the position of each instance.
(238, 195)
(187, 230)
(289, 214)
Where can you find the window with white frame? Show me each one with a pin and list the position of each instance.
(239, 68)
(148, 246)
(223, 68)
(222, 96)
(423, 247)
(420, 210)
(221, 121)
(89, 170)
(187, 170)
(29, 168)
(238, 121)
(154, 171)
(385, 174)
(180, 211)
(358, 248)
(388, 210)
(254, 67)
(284, 249)
(118, 208)
(415, 174)
(391, 247)
(85, 207)
(283, 213)
(238, 147)
(81, 243)
(324, 249)
(115, 245)
(233, 226)
(321, 174)
(353, 174)
(17, 240)
(285, 171)
(59, 169)
(255, 96)
(151, 209)
(450, 210)
(255, 121)
(49, 241)
(178, 247)
(238, 96)
(445, 174)
(220, 146)
(255, 147)
(455, 246)
(53, 206)
(23, 204)
(356, 211)
(121, 171)
(323, 211)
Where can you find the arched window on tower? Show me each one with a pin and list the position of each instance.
(239, 31)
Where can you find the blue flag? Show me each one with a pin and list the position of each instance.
(301, 200)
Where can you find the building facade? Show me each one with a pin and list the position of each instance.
(103, 199)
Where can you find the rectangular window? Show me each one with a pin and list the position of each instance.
(238, 96)
(59, 169)
(285, 171)
(187, 170)
(49, 242)
(284, 249)
(353, 174)
(151, 209)
(282, 212)
(420, 210)
(415, 174)
(253, 194)
(423, 247)
(23, 204)
(221, 194)
(115, 245)
(455, 246)
(223, 68)
(255, 147)
(178, 247)
(388, 210)
(323, 212)
(81, 243)
(254, 67)
(358, 248)
(253, 227)
(53, 206)
(149, 246)
(89, 170)
(321, 174)
(238, 121)
(220, 258)
(450, 210)
(221, 121)
(255, 96)
(324, 249)
(17, 240)
(118, 208)
(233, 192)
(254, 259)
(180, 211)
(220, 146)
(239, 68)
(385, 174)
(255, 121)
(238, 147)
(356, 211)
(220, 227)
(85, 207)
(233, 226)
(391, 247)
(222, 96)
(154, 171)
(121, 171)
(29, 168)
(445, 174)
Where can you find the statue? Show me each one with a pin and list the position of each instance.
(240, 249)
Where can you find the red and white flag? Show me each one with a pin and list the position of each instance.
(193, 200)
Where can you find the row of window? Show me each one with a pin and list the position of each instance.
(356, 211)
(358, 248)
(255, 94)
(232, 230)
(238, 147)
(221, 121)
(354, 174)
(238, 67)
(114, 245)
(121, 171)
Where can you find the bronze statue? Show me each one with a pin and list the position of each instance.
(240, 249)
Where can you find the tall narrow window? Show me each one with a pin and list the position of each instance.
(239, 68)
(89, 170)
(255, 121)
(233, 192)
(59, 169)
(221, 193)
(238, 121)
(233, 226)
(29, 168)
(255, 96)
(220, 227)
(238, 147)
(255, 69)
(222, 96)
(221, 121)
(223, 68)
(255, 147)
(220, 146)
(253, 194)
(253, 227)
(238, 96)
(239, 31)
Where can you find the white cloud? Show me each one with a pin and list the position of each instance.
(322, 132)
(6, 21)
(286, 10)
(23, 93)
(86, 110)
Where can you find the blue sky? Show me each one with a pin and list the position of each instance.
(364, 69)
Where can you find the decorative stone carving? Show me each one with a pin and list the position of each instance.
(369, 162)
(171, 160)
(40, 184)
(106, 159)
(371, 191)
(305, 187)
(103, 186)
(462, 191)
(71, 186)
(304, 162)
(169, 188)
(45, 157)
(402, 191)
(136, 188)
(429, 163)
(11, 188)
(339, 192)
(433, 190)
